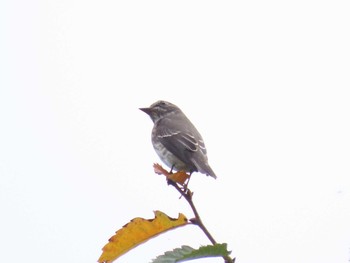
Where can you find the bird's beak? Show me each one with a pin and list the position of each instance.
(146, 110)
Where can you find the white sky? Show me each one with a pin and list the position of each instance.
(265, 82)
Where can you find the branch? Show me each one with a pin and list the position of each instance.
(187, 194)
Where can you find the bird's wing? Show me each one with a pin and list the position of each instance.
(183, 140)
(180, 139)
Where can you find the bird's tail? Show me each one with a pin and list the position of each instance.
(208, 171)
(205, 169)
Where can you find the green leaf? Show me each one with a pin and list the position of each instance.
(186, 253)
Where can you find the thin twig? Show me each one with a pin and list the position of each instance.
(187, 194)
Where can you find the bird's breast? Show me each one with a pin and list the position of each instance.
(168, 158)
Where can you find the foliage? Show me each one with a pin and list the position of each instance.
(136, 232)
(186, 253)
(139, 230)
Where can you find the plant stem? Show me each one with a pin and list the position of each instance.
(187, 194)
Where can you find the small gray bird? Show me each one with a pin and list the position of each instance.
(176, 140)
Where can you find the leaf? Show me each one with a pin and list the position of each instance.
(139, 230)
(158, 169)
(186, 253)
(179, 177)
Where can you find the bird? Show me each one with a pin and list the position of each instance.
(176, 140)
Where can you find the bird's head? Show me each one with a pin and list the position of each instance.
(160, 109)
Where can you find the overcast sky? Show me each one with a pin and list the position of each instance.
(267, 84)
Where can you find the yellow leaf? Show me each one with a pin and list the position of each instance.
(179, 177)
(158, 169)
(139, 230)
